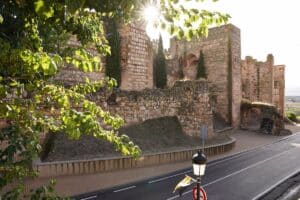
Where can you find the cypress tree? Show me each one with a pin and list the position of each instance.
(113, 61)
(201, 72)
(159, 67)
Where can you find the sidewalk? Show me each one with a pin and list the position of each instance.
(73, 185)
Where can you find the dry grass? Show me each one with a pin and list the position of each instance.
(152, 136)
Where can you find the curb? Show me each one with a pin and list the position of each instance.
(292, 193)
(260, 196)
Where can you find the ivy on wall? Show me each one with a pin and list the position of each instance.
(113, 61)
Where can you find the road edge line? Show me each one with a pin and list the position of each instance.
(257, 197)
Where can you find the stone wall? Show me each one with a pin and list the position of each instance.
(188, 100)
(222, 53)
(71, 75)
(80, 167)
(279, 87)
(263, 81)
(136, 59)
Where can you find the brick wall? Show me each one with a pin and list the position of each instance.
(136, 59)
(222, 53)
(188, 100)
(263, 81)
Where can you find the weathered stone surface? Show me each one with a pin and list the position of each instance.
(222, 54)
(279, 87)
(263, 81)
(188, 100)
(136, 59)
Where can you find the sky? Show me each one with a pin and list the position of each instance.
(267, 26)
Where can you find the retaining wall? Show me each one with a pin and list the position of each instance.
(53, 169)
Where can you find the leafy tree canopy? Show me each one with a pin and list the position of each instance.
(34, 43)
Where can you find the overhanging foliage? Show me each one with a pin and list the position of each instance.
(34, 42)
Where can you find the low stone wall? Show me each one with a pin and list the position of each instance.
(188, 100)
(54, 169)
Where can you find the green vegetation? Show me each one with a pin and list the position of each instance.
(159, 66)
(292, 110)
(201, 71)
(34, 42)
(292, 116)
(113, 61)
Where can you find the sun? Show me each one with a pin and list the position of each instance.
(151, 13)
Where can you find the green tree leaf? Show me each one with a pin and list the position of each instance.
(43, 9)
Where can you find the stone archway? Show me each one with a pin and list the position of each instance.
(190, 67)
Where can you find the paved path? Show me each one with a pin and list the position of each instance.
(72, 185)
(246, 176)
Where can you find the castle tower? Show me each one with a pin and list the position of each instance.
(136, 58)
(222, 57)
(279, 87)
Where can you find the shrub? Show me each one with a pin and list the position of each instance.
(113, 61)
(201, 71)
(159, 66)
(292, 116)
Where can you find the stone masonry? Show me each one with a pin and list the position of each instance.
(70, 75)
(227, 78)
(279, 87)
(263, 81)
(222, 53)
(188, 100)
(136, 59)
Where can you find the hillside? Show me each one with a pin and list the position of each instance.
(155, 135)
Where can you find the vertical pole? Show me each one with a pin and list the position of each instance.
(198, 188)
(202, 142)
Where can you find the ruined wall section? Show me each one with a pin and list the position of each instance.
(234, 62)
(136, 59)
(266, 80)
(279, 87)
(250, 79)
(221, 50)
(257, 79)
(70, 75)
(188, 100)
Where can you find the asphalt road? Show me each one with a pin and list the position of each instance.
(247, 175)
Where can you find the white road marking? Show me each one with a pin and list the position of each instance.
(233, 156)
(295, 144)
(127, 188)
(167, 177)
(87, 198)
(239, 154)
(210, 164)
(232, 174)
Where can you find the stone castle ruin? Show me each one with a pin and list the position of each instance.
(263, 81)
(222, 58)
(194, 102)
